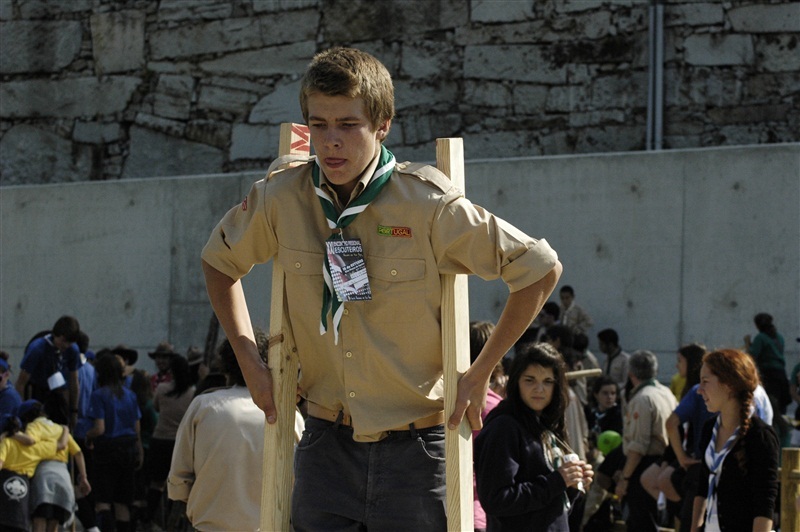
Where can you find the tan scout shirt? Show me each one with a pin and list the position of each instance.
(386, 370)
(646, 414)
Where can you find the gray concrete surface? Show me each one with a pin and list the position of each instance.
(666, 247)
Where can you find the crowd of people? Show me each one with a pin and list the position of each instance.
(651, 455)
(103, 453)
(639, 451)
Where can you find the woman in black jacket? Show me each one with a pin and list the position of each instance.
(739, 477)
(522, 475)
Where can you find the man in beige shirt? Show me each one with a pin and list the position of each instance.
(371, 357)
(644, 437)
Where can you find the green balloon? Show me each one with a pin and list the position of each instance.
(608, 441)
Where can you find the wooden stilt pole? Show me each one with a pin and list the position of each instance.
(276, 494)
(790, 489)
(455, 350)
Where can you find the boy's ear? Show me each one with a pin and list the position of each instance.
(383, 129)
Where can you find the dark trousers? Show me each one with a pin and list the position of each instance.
(397, 483)
(642, 508)
(86, 513)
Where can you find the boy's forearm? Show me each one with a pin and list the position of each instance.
(521, 308)
(228, 300)
(229, 304)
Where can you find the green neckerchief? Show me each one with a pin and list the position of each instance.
(645, 384)
(554, 456)
(337, 222)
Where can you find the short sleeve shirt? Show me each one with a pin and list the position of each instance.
(23, 459)
(42, 359)
(386, 370)
(44, 430)
(645, 419)
(120, 414)
(692, 409)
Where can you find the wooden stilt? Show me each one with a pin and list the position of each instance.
(455, 350)
(276, 494)
(790, 489)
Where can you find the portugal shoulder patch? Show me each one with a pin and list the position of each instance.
(386, 230)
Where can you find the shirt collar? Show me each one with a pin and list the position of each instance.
(363, 181)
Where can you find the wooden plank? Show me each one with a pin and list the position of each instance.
(455, 349)
(581, 373)
(790, 489)
(279, 439)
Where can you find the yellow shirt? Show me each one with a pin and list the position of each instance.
(42, 429)
(23, 459)
(676, 385)
(386, 370)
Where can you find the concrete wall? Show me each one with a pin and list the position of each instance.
(665, 247)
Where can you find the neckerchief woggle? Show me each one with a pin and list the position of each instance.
(715, 466)
(554, 456)
(337, 222)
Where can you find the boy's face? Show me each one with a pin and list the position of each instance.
(566, 299)
(162, 363)
(344, 139)
(61, 343)
(606, 397)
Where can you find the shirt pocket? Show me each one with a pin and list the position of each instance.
(295, 262)
(398, 289)
(303, 271)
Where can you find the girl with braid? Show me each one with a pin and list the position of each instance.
(739, 476)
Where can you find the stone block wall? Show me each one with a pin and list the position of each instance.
(100, 89)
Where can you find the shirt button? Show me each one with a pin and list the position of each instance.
(349, 354)
(297, 265)
(352, 394)
(393, 272)
(346, 312)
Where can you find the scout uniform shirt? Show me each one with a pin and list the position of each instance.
(386, 370)
(646, 416)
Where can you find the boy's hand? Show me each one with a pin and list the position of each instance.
(470, 399)
(259, 382)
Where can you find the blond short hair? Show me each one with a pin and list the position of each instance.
(352, 73)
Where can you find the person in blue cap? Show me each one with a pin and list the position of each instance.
(9, 397)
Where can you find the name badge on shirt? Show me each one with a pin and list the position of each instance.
(348, 270)
(56, 380)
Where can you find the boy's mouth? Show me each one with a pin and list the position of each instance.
(333, 162)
